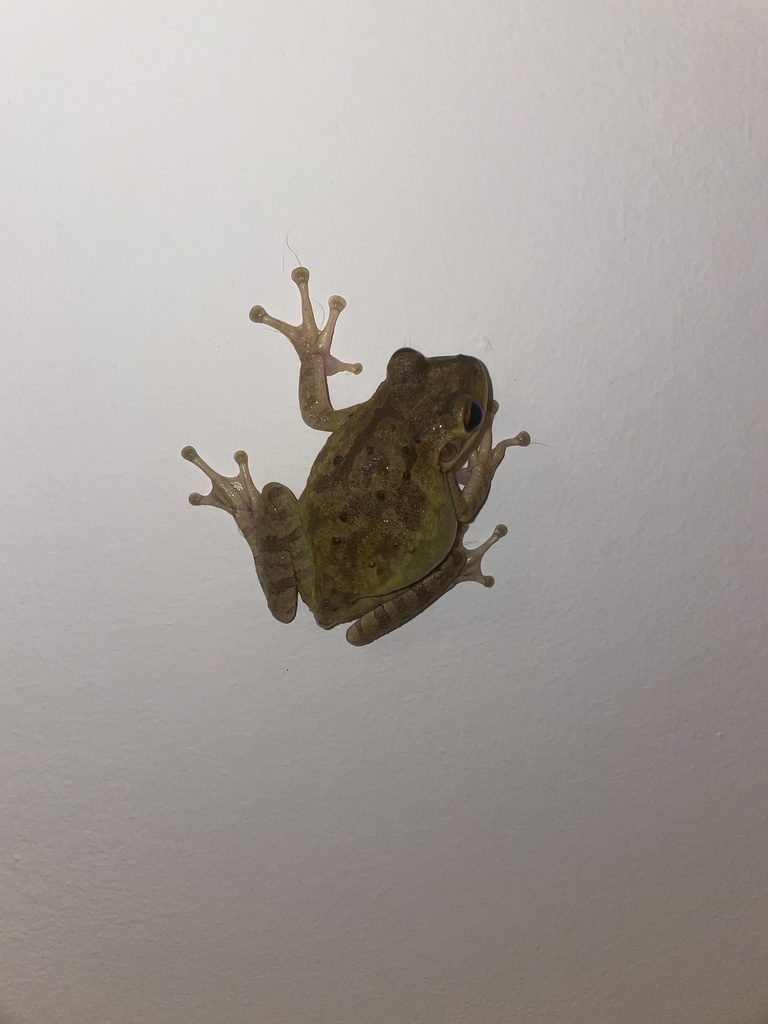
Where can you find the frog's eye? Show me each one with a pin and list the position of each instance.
(473, 416)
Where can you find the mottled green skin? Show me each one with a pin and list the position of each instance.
(379, 507)
(377, 534)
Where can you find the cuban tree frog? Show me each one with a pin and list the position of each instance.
(377, 534)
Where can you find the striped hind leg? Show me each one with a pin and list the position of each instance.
(269, 522)
(460, 565)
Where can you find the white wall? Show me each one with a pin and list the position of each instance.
(542, 803)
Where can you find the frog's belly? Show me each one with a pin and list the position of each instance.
(356, 570)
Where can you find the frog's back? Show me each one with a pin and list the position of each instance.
(377, 512)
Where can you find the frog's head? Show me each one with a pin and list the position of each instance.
(448, 399)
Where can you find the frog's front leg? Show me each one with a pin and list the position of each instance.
(269, 521)
(460, 565)
(313, 347)
(481, 467)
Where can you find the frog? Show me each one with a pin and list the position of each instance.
(377, 535)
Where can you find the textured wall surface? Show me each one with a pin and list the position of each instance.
(541, 803)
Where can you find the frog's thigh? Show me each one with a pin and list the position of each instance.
(282, 554)
(408, 603)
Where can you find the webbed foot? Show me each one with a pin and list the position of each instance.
(473, 569)
(267, 519)
(237, 495)
(306, 337)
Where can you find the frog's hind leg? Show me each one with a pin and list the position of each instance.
(460, 565)
(267, 520)
(288, 569)
(313, 347)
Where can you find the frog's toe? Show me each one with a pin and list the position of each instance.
(206, 499)
(333, 365)
(190, 454)
(521, 440)
(323, 339)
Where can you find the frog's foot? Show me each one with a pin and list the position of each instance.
(307, 338)
(473, 569)
(237, 495)
(477, 475)
(268, 520)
